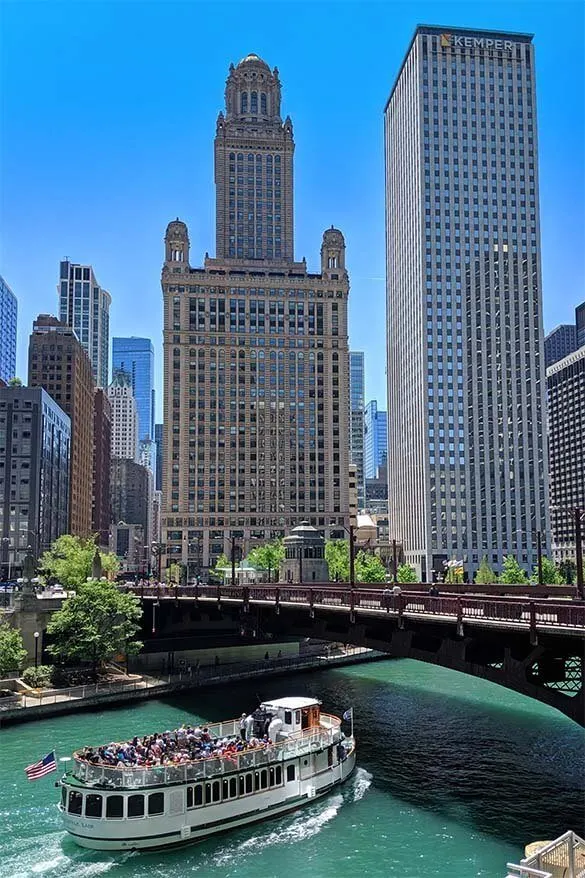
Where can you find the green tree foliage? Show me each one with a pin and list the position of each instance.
(12, 652)
(221, 562)
(337, 557)
(15, 382)
(39, 676)
(568, 571)
(369, 568)
(69, 561)
(550, 574)
(267, 557)
(95, 625)
(173, 573)
(512, 572)
(406, 573)
(485, 575)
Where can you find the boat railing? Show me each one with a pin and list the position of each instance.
(565, 854)
(298, 744)
(526, 872)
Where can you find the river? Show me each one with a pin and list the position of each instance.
(455, 775)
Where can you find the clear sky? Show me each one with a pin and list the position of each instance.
(108, 117)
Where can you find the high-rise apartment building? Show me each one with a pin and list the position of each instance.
(85, 306)
(8, 317)
(375, 439)
(158, 440)
(101, 516)
(256, 385)
(566, 447)
(35, 437)
(129, 485)
(580, 324)
(58, 362)
(124, 416)
(357, 393)
(136, 357)
(467, 460)
(559, 343)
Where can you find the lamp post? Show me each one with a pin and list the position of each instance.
(539, 555)
(579, 515)
(394, 561)
(233, 559)
(36, 636)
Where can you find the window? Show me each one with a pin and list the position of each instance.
(114, 806)
(136, 806)
(75, 802)
(156, 804)
(290, 773)
(93, 805)
(245, 102)
(263, 104)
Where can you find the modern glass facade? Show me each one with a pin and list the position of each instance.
(580, 324)
(467, 460)
(8, 317)
(85, 307)
(559, 343)
(357, 393)
(136, 357)
(375, 439)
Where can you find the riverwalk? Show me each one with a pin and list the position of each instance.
(37, 704)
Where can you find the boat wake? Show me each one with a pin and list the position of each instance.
(54, 860)
(362, 781)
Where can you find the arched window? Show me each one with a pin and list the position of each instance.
(263, 104)
(332, 262)
(244, 102)
(254, 103)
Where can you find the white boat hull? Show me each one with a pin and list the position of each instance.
(173, 830)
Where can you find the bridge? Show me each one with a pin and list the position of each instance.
(533, 646)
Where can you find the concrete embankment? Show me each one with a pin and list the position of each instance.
(99, 696)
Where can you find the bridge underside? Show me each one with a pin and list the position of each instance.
(551, 670)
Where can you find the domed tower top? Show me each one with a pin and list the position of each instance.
(252, 91)
(177, 242)
(333, 253)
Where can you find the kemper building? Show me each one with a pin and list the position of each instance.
(256, 400)
(467, 458)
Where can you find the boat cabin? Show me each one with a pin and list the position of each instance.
(295, 714)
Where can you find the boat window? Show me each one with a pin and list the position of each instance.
(156, 804)
(288, 717)
(290, 772)
(136, 806)
(225, 792)
(249, 783)
(271, 776)
(256, 780)
(75, 802)
(115, 806)
(216, 792)
(64, 797)
(189, 797)
(198, 795)
(242, 789)
(93, 805)
(233, 788)
(207, 793)
(297, 717)
(278, 775)
(263, 779)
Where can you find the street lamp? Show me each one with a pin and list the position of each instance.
(36, 636)
(6, 544)
(233, 559)
(579, 517)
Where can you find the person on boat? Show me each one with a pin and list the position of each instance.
(243, 727)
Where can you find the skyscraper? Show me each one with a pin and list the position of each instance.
(57, 362)
(136, 356)
(559, 343)
(375, 439)
(256, 385)
(8, 316)
(580, 324)
(85, 306)
(357, 393)
(101, 516)
(467, 458)
(158, 439)
(124, 416)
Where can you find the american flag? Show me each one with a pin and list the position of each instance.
(45, 766)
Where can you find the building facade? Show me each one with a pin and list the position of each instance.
(58, 363)
(101, 515)
(375, 440)
(129, 485)
(357, 399)
(124, 416)
(467, 460)
(35, 445)
(85, 307)
(566, 445)
(559, 343)
(136, 357)
(8, 320)
(256, 385)
(580, 324)
(158, 440)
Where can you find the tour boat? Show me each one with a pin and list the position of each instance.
(283, 755)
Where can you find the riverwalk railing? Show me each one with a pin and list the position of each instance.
(516, 612)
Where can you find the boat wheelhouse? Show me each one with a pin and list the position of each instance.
(281, 756)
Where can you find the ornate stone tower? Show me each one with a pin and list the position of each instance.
(254, 167)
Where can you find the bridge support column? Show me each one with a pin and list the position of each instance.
(401, 600)
(277, 602)
(533, 631)
(459, 618)
(246, 598)
(311, 604)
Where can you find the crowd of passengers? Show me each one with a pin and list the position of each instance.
(170, 748)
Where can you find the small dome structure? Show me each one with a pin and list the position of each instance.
(304, 555)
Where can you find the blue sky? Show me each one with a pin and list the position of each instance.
(108, 117)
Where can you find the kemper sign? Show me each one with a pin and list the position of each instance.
(474, 42)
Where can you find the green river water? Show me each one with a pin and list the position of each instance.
(455, 775)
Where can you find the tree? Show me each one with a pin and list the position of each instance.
(222, 562)
(15, 382)
(454, 572)
(485, 575)
(406, 573)
(12, 652)
(512, 572)
(173, 573)
(267, 557)
(369, 568)
(550, 574)
(567, 571)
(337, 557)
(70, 559)
(96, 624)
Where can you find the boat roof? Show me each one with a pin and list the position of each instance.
(291, 703)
